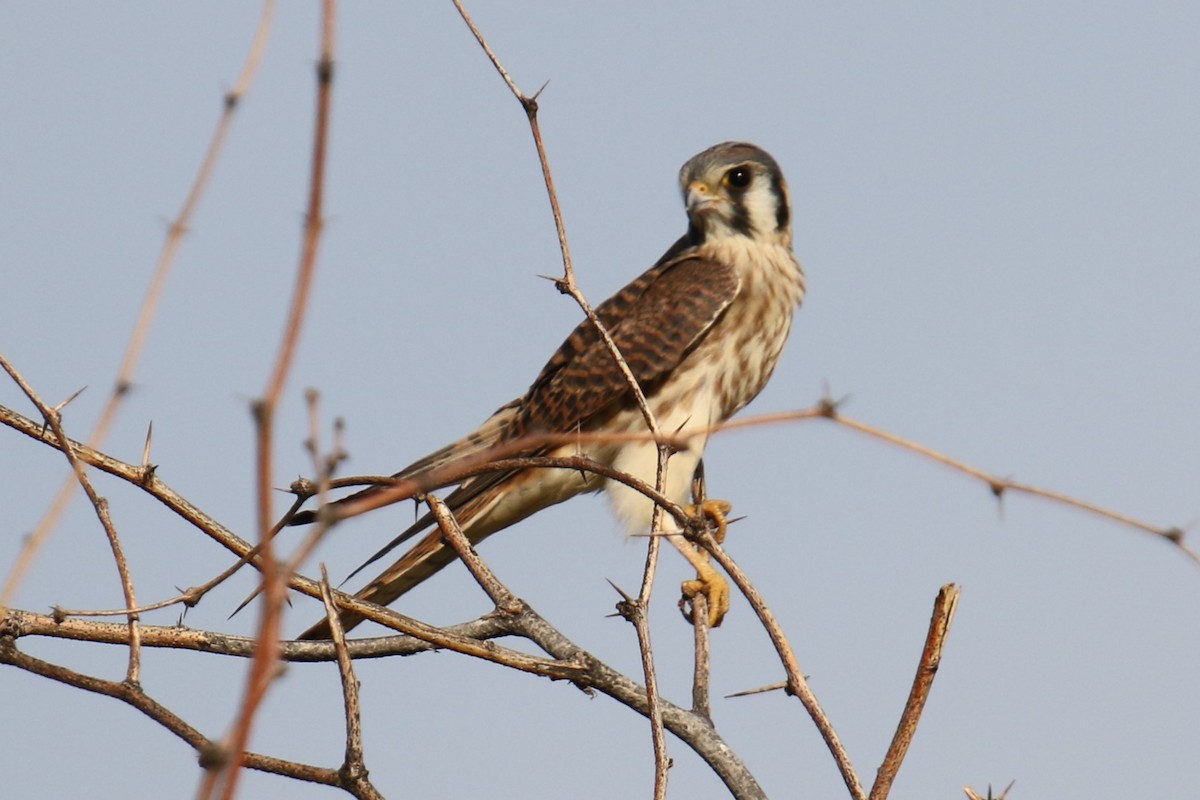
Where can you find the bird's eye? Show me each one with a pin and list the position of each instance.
(738, 177)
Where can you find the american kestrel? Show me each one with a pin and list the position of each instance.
(701, 331)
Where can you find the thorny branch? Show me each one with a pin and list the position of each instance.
(353, 769)
(640, 609)
(53, 419)
(221, 780)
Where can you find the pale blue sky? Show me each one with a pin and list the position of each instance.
(996, 207)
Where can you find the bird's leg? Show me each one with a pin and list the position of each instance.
(708, 581)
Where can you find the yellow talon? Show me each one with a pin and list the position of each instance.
(715, 589)
(708, 581)
(716, 511)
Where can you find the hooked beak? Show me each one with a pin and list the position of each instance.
(700, 197)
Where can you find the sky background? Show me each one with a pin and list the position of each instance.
(996, 206)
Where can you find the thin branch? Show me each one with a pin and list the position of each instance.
(496, 591)
(223, 781)
(325, 465)
(797, 683)
(567, 285)
(702, 661)
(635, 611)
(240, 547)
(931, 658)
(18, 624)
(693, 729)
(133, 695)
(488, 461)
(100, 505)
(641, 617)
(576, 665)
(354, 769)
(1000, 485)
(405, 489)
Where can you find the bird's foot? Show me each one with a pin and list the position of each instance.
(714, 587)
(708, 581)
(715, 511)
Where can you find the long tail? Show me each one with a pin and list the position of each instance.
(470, 504)
(424, 559)
(482, 506)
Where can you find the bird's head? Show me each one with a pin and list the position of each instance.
(736, 189)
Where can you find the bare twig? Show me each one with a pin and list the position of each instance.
(567, 285)
(402, 490)
(573, 663)
(100, 504)
(702, 662)
(999, 486)
(637, 612)
(797, 684)
(496, 591)
(223, 781)
(493, 459)
(133, 695)
(18, 623)
(931, 657)
(354, 769)
(325, 464)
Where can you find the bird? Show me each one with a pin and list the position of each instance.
(701, 331)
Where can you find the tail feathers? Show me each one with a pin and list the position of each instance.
(424, 559)
(470, 503)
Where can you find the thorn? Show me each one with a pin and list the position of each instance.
(828, 407)
(258, 410)
(249, 599)
(538, 93)
(627, 605)
(624, 595)
(146, 447)
(560, 283)
(774, 687)
(64, 403)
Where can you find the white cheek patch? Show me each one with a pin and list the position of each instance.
(762, 207)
